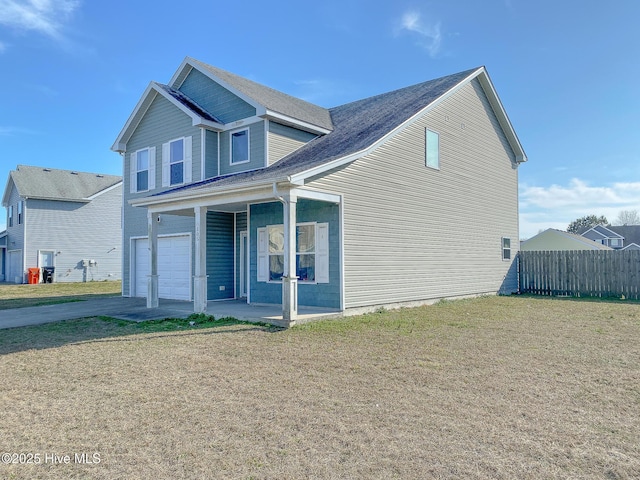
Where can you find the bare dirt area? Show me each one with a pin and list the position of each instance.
(495, 387)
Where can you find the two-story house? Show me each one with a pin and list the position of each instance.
(619, 237)
(236, 190)
(66, 221)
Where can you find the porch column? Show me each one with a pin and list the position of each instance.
(289, 278)
(200, 278)
(152, 284)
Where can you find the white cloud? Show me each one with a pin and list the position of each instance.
(43, 16)
(557, 205)
(430, 37)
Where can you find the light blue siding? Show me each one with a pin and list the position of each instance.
(220, 255)
(256, 148)
(319, 295)
(214, 98)
(211, 154)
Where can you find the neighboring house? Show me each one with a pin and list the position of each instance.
(605, 236)
(3, 254)
(235, 190)
(552, 240)
(630, 234)
(67, 220)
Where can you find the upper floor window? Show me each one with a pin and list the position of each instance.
(176, 162)
(240, 146)
(432, 149)
(20, 212)
(10, 216)
(143, 170)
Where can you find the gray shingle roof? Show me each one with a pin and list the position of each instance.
(357, 126)
(188, 102)
(273, 99)
(631, 233)
(53, 184)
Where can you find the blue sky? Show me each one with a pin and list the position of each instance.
(71, 72)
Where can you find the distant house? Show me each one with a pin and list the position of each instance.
(630, 234)
(236, 190)
(553, 240)
(3, 254)
(605, 236)
(66, 220)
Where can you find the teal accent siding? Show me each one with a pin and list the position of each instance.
(317, 295)
(241, 225)
(219, 255)
(211, 154)
(216, 99)
(256, 150)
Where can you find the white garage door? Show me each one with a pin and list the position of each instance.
(174, 267)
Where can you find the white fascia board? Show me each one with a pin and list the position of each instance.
(182, 197)
(316, 195)
(293, 122)
(503, 118)
(120, 145)
(186, 63)
(259, 195)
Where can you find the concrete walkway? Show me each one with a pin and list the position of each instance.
(135, 309)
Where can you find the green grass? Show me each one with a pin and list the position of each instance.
(19, 296)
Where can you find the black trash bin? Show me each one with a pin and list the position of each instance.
(47, 274)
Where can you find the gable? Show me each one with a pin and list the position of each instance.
(55, 184)
(216, 99)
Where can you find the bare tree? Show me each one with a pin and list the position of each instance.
(627, 217)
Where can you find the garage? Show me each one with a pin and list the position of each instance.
(174, 267)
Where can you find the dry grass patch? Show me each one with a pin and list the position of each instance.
(18, 296)
(497, 387)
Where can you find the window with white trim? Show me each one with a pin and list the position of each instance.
(142, 170)
(312, 253)
(240, 146)
(10, 216)
(506, 248)
(432, 149)
(20, 212)
(176, 161)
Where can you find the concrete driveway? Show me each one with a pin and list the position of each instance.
(135, 309)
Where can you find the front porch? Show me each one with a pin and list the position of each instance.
(268, 247)
(135, 309)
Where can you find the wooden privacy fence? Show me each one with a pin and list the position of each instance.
(581, 273)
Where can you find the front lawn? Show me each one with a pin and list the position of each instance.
(17, 296)
(494, 387)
